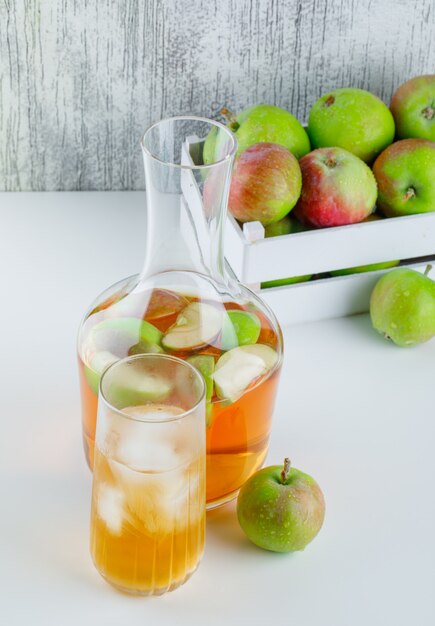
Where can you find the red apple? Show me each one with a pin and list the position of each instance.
(266, 184)
(337, 188)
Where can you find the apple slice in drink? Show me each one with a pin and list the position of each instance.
(113, 339)
(118, 335)
(133, 387)
(197, 325)
(99, 362)
(164, 303)
(205, 365)
(238, 368)
(145, 347)
(239, 328)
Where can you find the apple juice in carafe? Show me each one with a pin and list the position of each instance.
(185, 304)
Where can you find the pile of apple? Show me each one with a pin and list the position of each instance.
(364, 156)
(354, 168)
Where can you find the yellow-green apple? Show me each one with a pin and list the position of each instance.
(263, 123)
(265, 185)
(337, 188)
(286, 226)
(402, 306)
(353, 119)
(405, 173)
(413, 108)
(280, 282)
(281, 508)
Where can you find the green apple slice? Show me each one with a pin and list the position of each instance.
(117, 335)
(240, 328)
(131, 387)
(99, 362)
(197, 325)
(238, 368)
(145, 347)
(204, 363)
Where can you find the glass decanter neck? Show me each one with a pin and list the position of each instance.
(186, 207)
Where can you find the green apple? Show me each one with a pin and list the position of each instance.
(286, 226)
(197, 325)
(240, 328)
(280, 282)
(209, 149)
(144, 347)
(114, 338)
(204, 363)
(360, 269)
(216, 145)
(238, 368)
(413, 108)
(352, 119)
(266, 123)
(281, 508)
(402, 306)
(130, 386)
(118, 335)
(405, 173)
(99, 362)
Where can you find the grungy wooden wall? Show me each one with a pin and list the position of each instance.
(81, 79)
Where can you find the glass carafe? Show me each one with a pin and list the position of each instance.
(186, 303)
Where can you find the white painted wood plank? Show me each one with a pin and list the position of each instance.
(325, 298)
(322, 250)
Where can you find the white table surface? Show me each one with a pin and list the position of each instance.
(353, 410)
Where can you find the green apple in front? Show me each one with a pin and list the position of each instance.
(353, 119)
(405, 173)
(413, 108)
(281, 508)
(402, 307)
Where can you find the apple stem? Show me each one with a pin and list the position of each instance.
(286, 470)
(329, 100)
(410, 193)
(429, 112)
(231, 118)
(428, 269)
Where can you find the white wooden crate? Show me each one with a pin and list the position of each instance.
(255, 259)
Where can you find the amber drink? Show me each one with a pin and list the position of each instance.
(148, 498)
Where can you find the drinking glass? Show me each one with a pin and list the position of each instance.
(148, 496)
